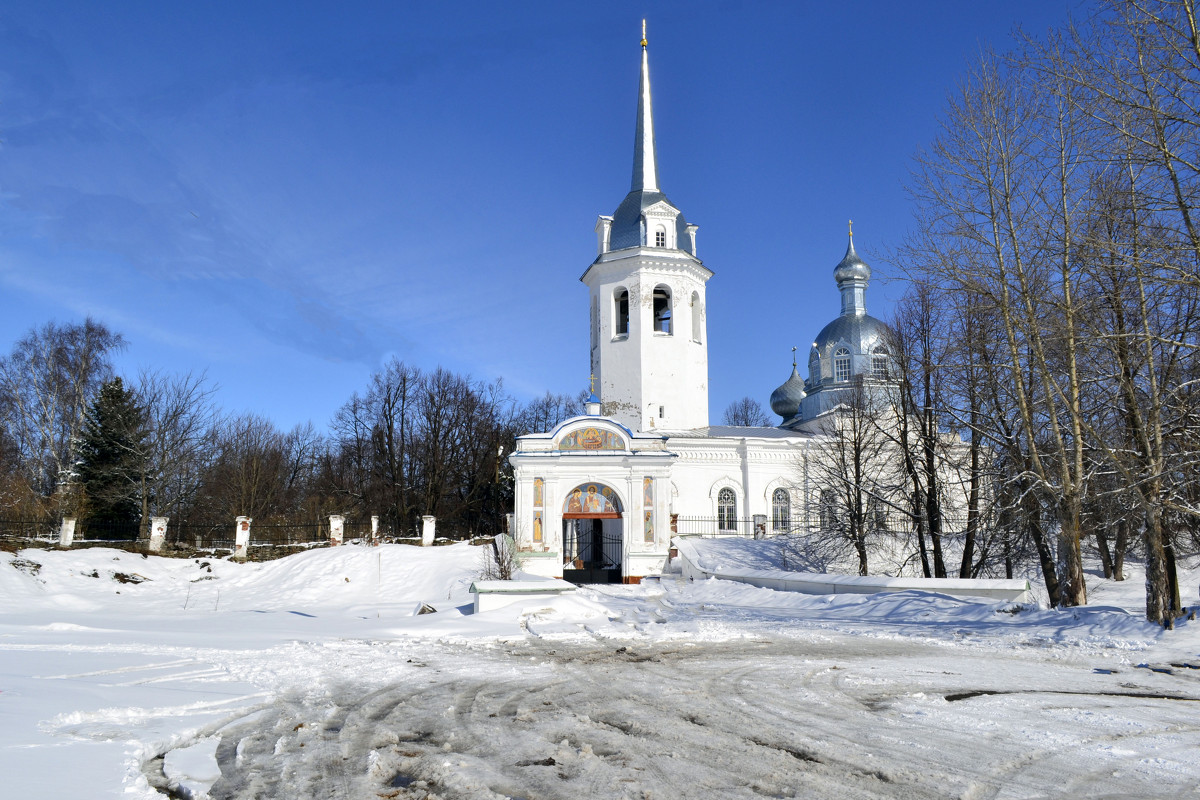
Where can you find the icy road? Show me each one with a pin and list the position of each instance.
(313, 679)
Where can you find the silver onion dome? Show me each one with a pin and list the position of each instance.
(860, 332)
(785, 401)
(851, 267)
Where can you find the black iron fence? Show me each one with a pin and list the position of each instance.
(17, 530)
(85, 530)
(110, 530)
(749, 527)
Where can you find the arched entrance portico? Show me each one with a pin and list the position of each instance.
(592, 536)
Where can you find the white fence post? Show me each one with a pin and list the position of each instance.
(336, 529)
(66, 534)
(241, 537)
(428, 524)
(158, 533)
(374, 530)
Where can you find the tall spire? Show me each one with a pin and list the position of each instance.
(645, 162)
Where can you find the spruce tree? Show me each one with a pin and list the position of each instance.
(113, 455)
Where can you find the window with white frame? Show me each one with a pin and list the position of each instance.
(726, 510)
(879, 363)
(841, 364)
(781, 511)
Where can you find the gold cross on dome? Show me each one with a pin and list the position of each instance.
(592, 385)
(643, 32)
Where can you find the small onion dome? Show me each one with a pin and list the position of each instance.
(785, 401)
(851, 267)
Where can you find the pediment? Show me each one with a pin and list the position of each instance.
(661, 209)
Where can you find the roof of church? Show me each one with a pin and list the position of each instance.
(733, 432)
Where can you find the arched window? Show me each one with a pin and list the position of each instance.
(726, 510)
(781, 511)
(879, 363)
(662, 309)
(660, 237)
(814, 365)
(621, 313)
(697, 317)
(841, 365)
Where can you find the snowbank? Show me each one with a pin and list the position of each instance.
(697, 564)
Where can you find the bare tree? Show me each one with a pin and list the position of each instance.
(852, 464)
(999, 195)
(1140, 64)
(181, 421)
(248, 475)
(430, 443)
(746, 412)
(46, 384)
(548, 411)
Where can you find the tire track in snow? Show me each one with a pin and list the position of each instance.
(826, 717)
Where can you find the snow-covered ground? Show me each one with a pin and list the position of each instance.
(314, 676)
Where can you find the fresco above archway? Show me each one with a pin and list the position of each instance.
(592, 498)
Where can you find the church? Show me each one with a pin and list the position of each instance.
(598, 498)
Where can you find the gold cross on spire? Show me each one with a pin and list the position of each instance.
(643, 32)
(793, 355)
(851, 224)
(593, 384)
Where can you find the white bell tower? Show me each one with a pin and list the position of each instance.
(649, 343)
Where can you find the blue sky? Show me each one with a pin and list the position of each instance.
(285, 195)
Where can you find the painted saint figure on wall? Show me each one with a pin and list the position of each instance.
(592, 498)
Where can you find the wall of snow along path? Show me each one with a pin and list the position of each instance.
(699, 559)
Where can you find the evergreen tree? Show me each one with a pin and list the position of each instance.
(113, 454)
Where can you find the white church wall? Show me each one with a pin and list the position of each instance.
(647, 372)
(751, 467)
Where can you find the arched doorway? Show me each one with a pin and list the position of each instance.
(592, 541)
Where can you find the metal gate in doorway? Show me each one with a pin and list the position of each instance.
(592, 548)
